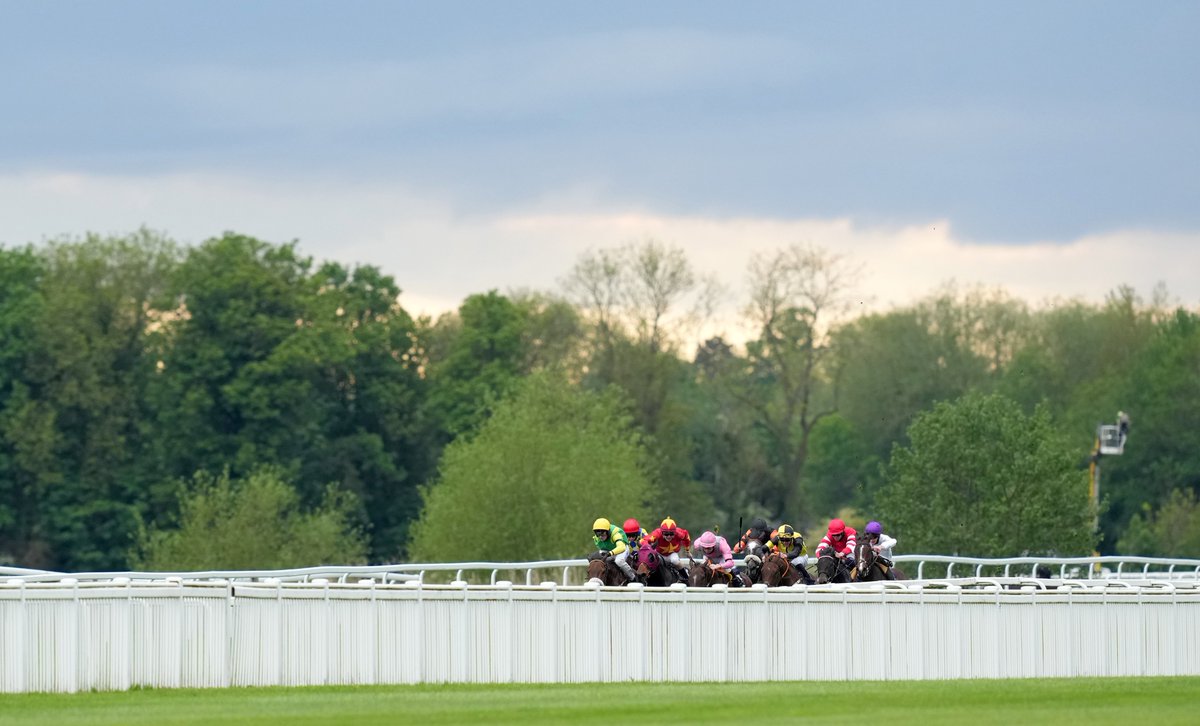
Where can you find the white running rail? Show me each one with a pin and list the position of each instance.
(76, 634)
(573, 571)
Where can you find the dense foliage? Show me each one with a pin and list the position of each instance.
(549, 458)
(253, 523)
(981, 478)
(129, 364)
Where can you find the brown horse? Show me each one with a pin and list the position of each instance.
(777, 570)
(870, 567)
(652, 570)
(702, 574)
(832, 569)
(601, 567)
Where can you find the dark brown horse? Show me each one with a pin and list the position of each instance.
(870, 567)
(777, 570)
(702, 574)
(652, 570)
(832, 569)
(601, 567)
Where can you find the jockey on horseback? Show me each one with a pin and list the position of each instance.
(669, 539)
(790, 543)
(758, 534)
(714, 552)
(752, 543)
(839, 542)
(610, 541)
(882, 544)
(634, 533)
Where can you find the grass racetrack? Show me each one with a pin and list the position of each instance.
(1059, 701)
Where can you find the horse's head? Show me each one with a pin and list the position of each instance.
(755, 547)
(647, 559)
(864, 555)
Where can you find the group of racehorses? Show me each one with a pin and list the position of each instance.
(765, 566)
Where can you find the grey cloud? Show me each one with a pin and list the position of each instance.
(520, 80)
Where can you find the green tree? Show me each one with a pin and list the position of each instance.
(1173, 530)
(483, 355)
(1162, 395)
(639, 302)
(255, 523)
(794, 296)
(981, 478)
(27, 461)
(529, 484)
(265, 361)
(76, 416)
(840, 471)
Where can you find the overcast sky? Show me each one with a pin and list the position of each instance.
(1051, 148)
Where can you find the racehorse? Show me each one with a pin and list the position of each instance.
(755, 552)
(870, 567)
(652, 569)
(601, 567)
(777, 570)
(832, 569)
(702, 574)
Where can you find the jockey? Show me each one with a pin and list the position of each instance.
(790, 543)
(881, 543)
(714, 551)
(670, 539)
(610, 540)
(759, 532)
(634, 533)
(839, 542)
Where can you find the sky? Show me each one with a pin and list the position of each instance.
(1051, 149)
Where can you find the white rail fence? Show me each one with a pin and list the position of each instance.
(573, 571)
(117, 634)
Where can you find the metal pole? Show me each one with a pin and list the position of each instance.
(1094, 494)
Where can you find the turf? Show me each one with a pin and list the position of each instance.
(1058, 701)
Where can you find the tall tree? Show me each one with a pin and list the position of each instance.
(981, 478)
(1162, 395)
(794, 296)
(28, 464)
(483, 355)
(640, 302)
(548, 462)
(265, 362)
(79, 413)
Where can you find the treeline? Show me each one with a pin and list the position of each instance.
(238, 404)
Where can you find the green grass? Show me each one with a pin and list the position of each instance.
(1092, 701)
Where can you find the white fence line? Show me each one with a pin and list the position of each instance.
(916, 566)
(85, 635)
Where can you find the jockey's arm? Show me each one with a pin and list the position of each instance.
(886, 542)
